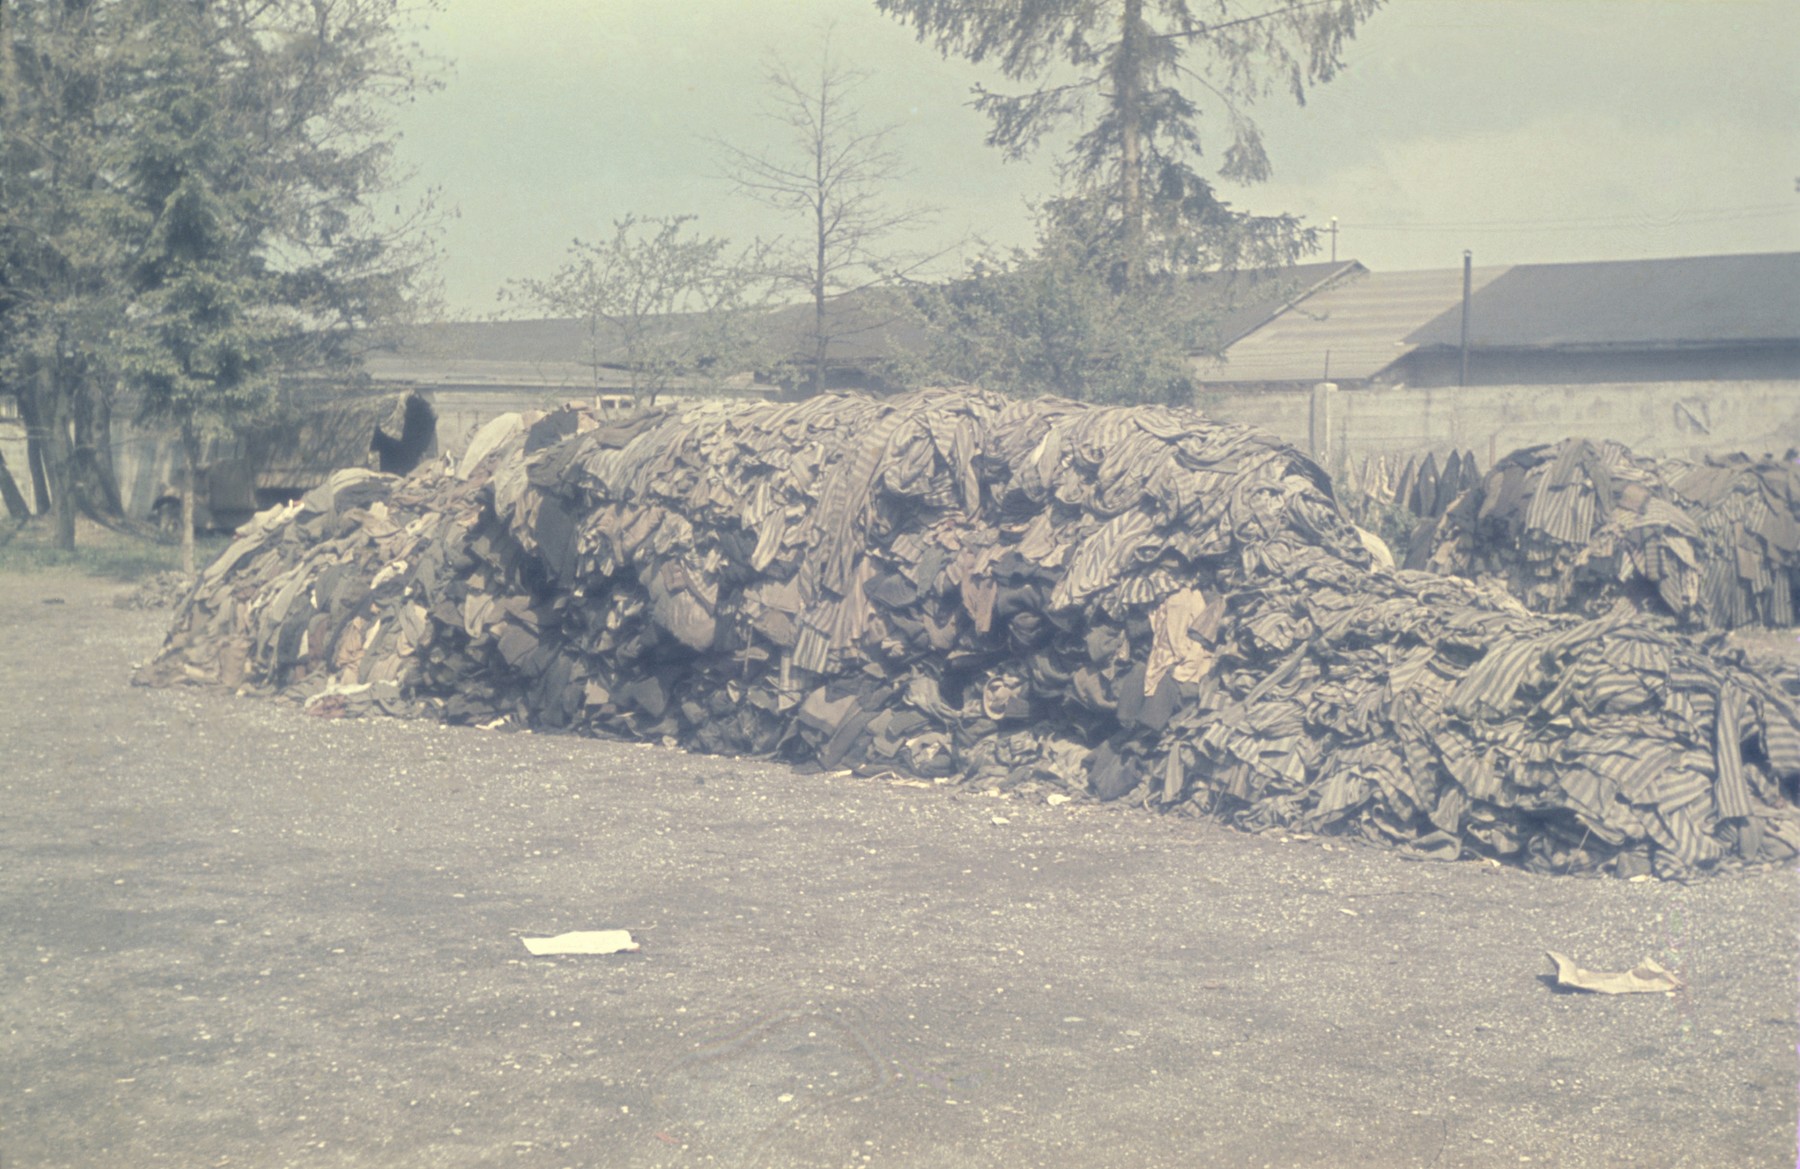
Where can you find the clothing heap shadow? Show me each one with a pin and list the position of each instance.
(1579, 526)
(1117, 603)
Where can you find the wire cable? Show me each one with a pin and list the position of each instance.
(1639, 222)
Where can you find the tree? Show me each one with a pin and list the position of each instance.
(1121, 73)
(191, 198)
(317, 84)
(201, 352)
(1050, 319)
(666, 306)
(829, 172)
(64, 227)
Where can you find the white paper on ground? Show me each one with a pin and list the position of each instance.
(583, 942)
(1648, 977)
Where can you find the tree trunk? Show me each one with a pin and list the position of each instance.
(821, 235)
(60, 463)
(38, 464)
(190, 454)
(36, 430)
(821, 340)
(16, 506)
(93, 455)
(1128, 84)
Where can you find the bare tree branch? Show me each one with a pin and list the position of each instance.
(831, 173)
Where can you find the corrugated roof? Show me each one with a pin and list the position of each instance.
(1246, 300)
(559, 352)
(865, 327)
(446, 371)
(1351, 329)
(552, 355)
(1692, 300)
(533, 342)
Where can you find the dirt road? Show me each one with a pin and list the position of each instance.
(234, 935)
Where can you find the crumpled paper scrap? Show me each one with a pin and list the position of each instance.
(1647, 977)
(583, 942)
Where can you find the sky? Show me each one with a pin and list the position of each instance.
(1526, 131)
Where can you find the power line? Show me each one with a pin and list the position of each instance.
(1640, 222)
(1203, 30)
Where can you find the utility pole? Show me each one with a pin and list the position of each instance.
(1468, 262)
(1334, 239)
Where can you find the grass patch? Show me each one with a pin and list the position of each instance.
(99, 552)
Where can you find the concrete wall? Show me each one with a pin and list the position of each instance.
(1441, 366)
(1686, 419)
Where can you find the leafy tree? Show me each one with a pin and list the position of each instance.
(205, 325)
(829, 173)
(316, 84)
(64, 225)
(1121, 73)
(192, 199)
(667, 306)
(1050, 319)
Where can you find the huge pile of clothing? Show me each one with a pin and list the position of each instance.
(1578, 526)
(1117, 602)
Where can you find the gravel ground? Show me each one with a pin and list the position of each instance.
(234, 935)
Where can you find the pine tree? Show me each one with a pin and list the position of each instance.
(191, 198)
(205, 322)
(1122, 74)
(65, 225)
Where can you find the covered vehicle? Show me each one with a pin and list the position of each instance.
(295, 451)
